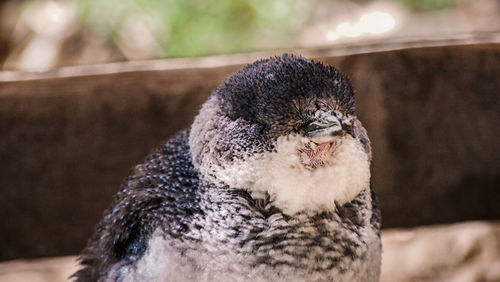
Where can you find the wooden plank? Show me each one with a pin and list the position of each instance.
(69, 137)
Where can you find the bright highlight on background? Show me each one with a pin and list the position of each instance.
(375, 22)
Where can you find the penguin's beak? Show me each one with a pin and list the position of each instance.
(324, 128)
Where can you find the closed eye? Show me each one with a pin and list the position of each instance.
(314, 126)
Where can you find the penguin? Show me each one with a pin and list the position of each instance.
(270, 183)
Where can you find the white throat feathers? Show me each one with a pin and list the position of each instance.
(295, 187)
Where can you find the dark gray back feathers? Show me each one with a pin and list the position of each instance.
(162, 191)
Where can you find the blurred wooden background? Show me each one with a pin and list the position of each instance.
(70, 136)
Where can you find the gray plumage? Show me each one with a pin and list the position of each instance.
(271, 183)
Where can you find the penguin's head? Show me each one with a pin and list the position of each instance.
(286, 126)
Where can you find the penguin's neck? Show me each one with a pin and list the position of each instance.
(292, 187)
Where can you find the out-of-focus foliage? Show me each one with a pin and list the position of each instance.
(38, 35)
(198, 27)
(427, 5)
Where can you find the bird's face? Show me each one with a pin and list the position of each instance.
(319, 126)
(285, 126)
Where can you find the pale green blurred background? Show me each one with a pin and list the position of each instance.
(39, 34)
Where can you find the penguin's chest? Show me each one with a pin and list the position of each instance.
(238, 243)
